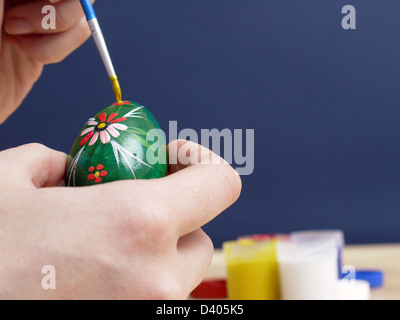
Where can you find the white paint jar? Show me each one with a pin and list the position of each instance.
(318, 235)
(308, 270)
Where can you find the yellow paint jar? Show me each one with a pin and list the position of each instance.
(252, 270)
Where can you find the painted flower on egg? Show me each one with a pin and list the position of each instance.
(103, 128)
(97, 173)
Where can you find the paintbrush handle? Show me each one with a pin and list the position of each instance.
(101, 45)
(98, 36)
(88, 9)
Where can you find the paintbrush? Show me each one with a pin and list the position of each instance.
(101, 46)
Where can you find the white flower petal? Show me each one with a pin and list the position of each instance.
(119, 126)
(113, 132)
(94, 139)
(105, 137)
(92, 123)
(90, 129)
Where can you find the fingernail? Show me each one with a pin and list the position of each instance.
(18, 26)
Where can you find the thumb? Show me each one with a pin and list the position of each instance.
(32, 165)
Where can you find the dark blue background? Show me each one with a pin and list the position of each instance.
(324, 102)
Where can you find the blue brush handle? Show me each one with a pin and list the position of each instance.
(88, 9)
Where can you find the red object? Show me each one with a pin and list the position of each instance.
(210, 289)
(100, 173)
(265, 237)
(118, 120)
(120, 103)
(103, 173)
(103, 117)
(112, 116)
(86, 138)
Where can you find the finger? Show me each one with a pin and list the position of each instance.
(27, 18)
(55, 47)
(195, 252)
(201, 191)
(33, 165)
(183, 154)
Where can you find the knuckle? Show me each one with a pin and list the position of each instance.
(155, 222)
(140, 220)
(36, 147)
(63, 23)
(66, 19)
(124, 218)
(168, 289)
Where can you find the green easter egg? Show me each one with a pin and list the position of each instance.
(116, 145)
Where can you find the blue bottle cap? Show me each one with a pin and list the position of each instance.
(374, 277)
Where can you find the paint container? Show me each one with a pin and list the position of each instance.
(252, 270)
(308, 270)
(210, 289)
(375, 278)
(317, 235)
(353, 290)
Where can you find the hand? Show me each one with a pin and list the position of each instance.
(25, 47)
(123, 240)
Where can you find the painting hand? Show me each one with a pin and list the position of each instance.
(25, 46)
